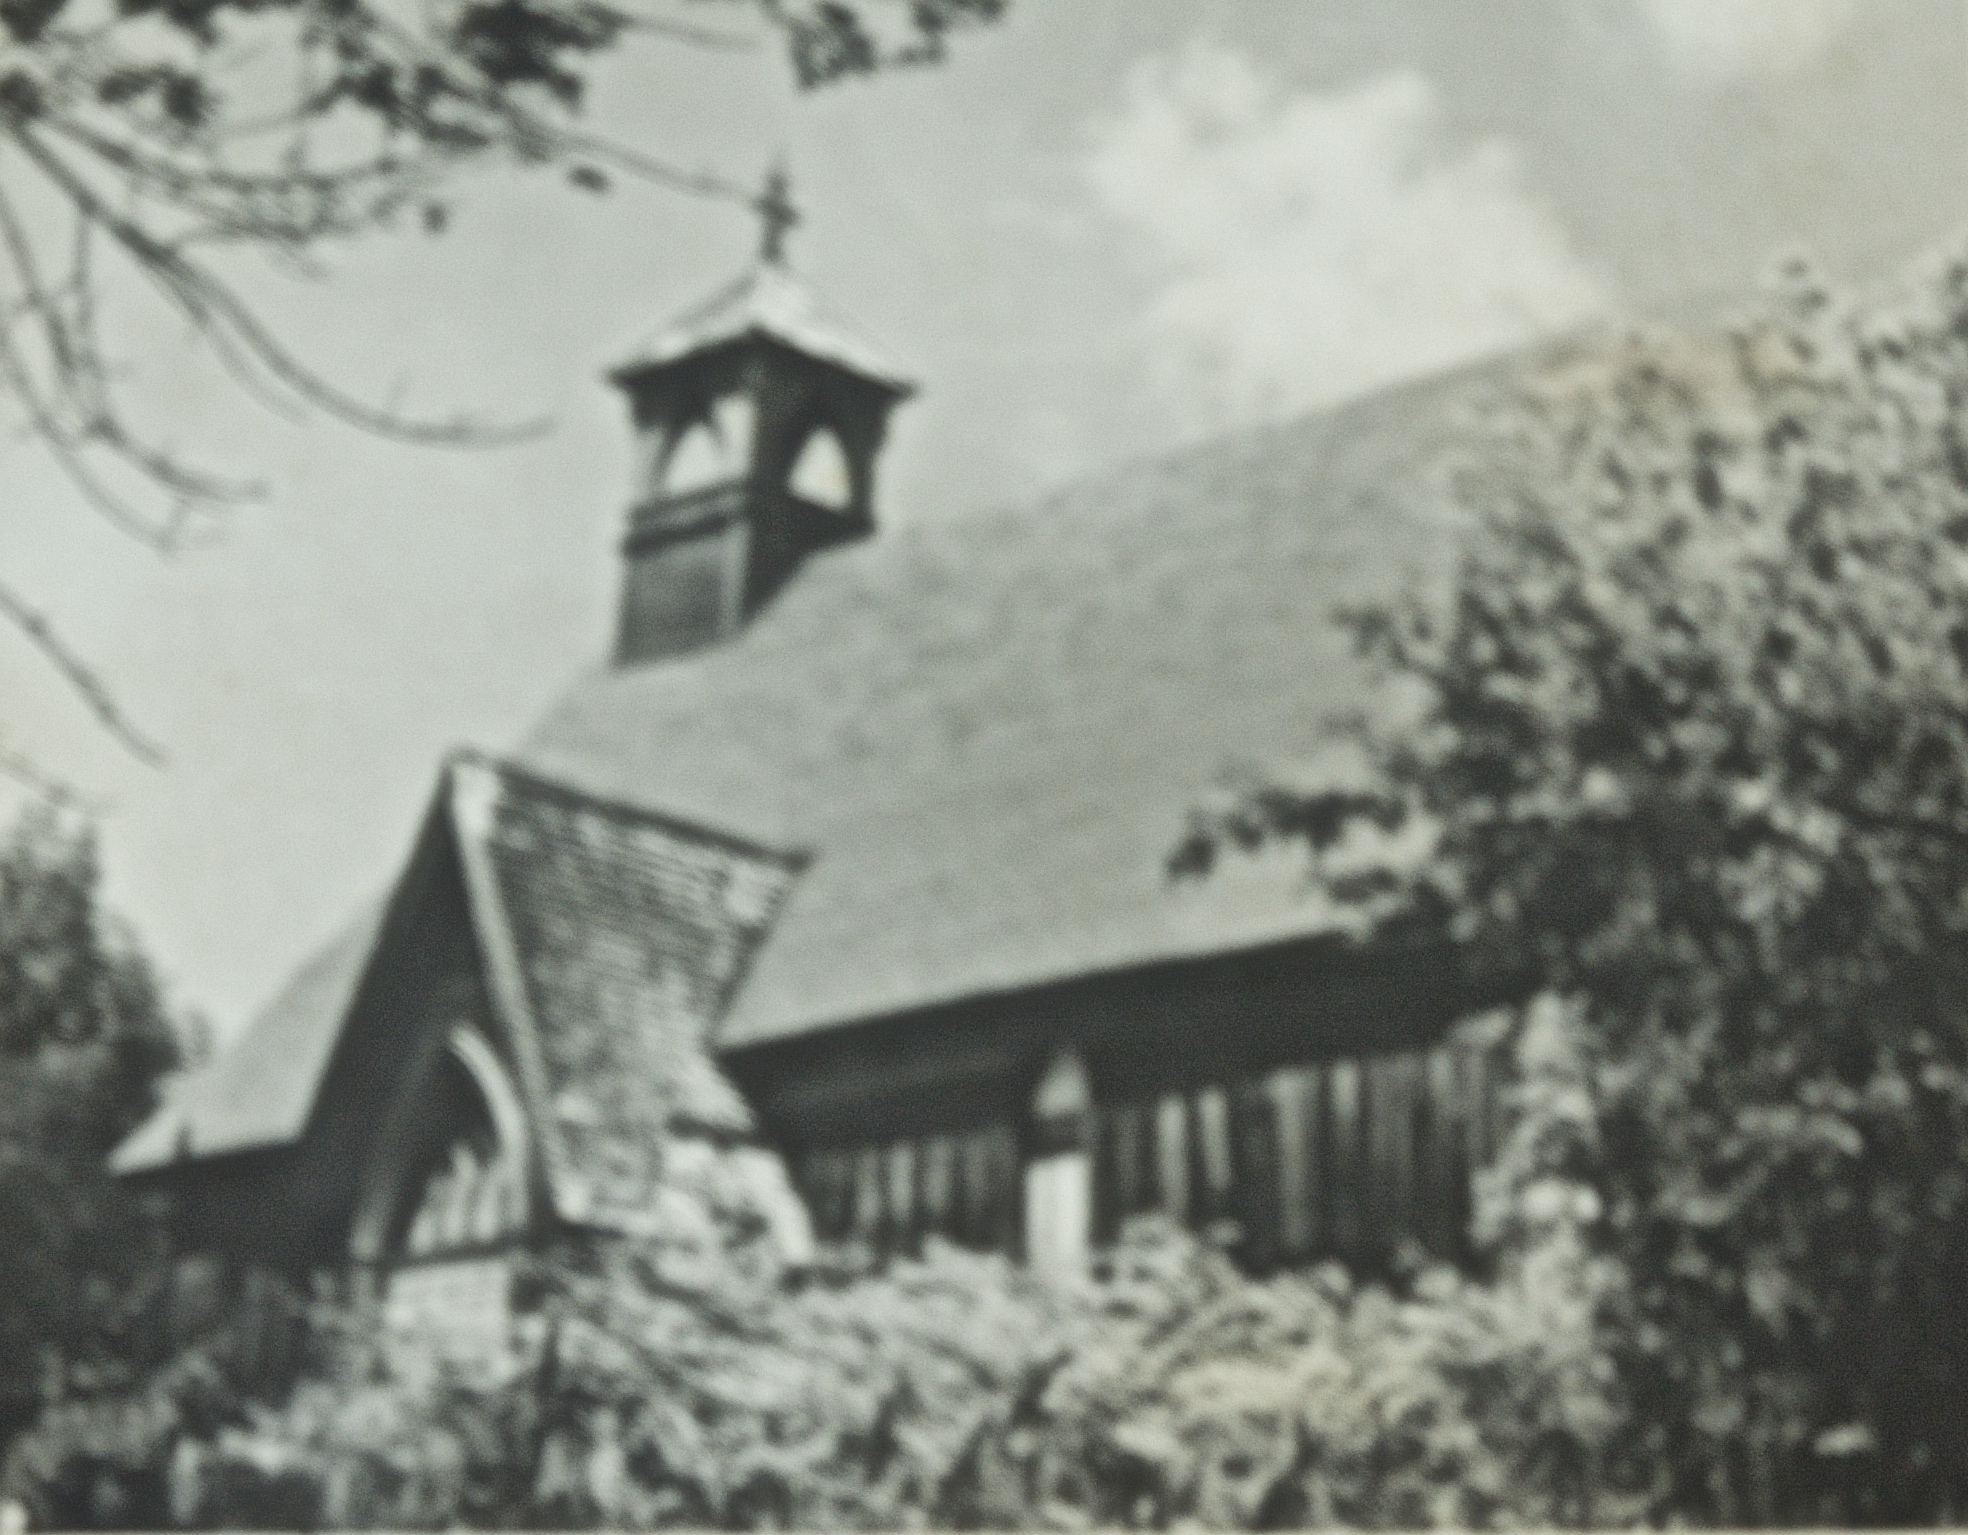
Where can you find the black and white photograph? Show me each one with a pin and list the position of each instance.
(983, 764)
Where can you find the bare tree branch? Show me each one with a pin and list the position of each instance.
(127, 118)
(29, 774)
(79, 675)
(234, 332)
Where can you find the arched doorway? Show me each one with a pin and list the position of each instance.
(450, 1176)
(446, 1198)
(468, 1195)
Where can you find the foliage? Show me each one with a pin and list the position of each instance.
(1690, 747)
(952, 1390)
(693, 1377)
(120, 1450)
(83, 1040)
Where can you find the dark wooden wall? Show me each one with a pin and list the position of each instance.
(1347, 1158)
(1300, 1100)
(1342, 1158)
(963, 1186)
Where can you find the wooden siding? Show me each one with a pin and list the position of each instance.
(1344, 1158)
(963, 1187)
(1347, 1158)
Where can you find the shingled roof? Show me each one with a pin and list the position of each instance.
(561, 892)
(987, 732)
(250, 1099)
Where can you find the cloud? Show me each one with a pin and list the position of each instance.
(1304, 248)
(1722, 40)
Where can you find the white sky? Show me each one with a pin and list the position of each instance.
(1107, 228)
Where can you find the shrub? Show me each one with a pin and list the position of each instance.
(951, 1390)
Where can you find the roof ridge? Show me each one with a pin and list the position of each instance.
(535, 781)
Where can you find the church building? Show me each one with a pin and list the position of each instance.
(853, 859)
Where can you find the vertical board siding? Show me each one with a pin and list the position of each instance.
(1292, 1130)
(1397, 1105)
(1350, 1158)
(1256, 1197)
(1122, 1172)
(1345, 1164)
(868, 1199)
(1314, 1098)
(1172, 1156)
(1007, 1188)
(938, 1181)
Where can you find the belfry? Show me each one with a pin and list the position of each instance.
(758, 416)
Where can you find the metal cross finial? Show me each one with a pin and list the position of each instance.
(776, 210)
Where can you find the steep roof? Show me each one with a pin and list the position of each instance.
(766, 300)
(251, 1098)
(987, 731)
(972, 742)
(561, 892)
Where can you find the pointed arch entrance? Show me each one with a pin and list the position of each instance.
(451, 1173)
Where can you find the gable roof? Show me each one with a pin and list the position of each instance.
(988, 732)
(561, 892)
(766, 300)
(609, 938)
(249, 1099)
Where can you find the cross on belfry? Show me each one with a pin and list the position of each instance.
(777, 214)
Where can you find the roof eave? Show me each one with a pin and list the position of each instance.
(627, 375)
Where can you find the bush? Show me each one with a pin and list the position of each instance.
(952, 1390)
(84, 1038)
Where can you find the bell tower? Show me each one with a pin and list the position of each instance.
(758, 417)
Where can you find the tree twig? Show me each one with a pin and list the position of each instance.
(79, 675)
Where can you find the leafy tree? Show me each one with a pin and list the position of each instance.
(143, 139)
(1688, 750)
(83, 1040)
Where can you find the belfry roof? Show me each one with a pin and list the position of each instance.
(767, 300)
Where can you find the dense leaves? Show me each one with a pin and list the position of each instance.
(951, 1391)
(83, 1039)
(696, 1377)
(1691, 752)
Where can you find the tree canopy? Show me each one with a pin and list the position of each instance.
(1690, 753)
(84, 1038)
